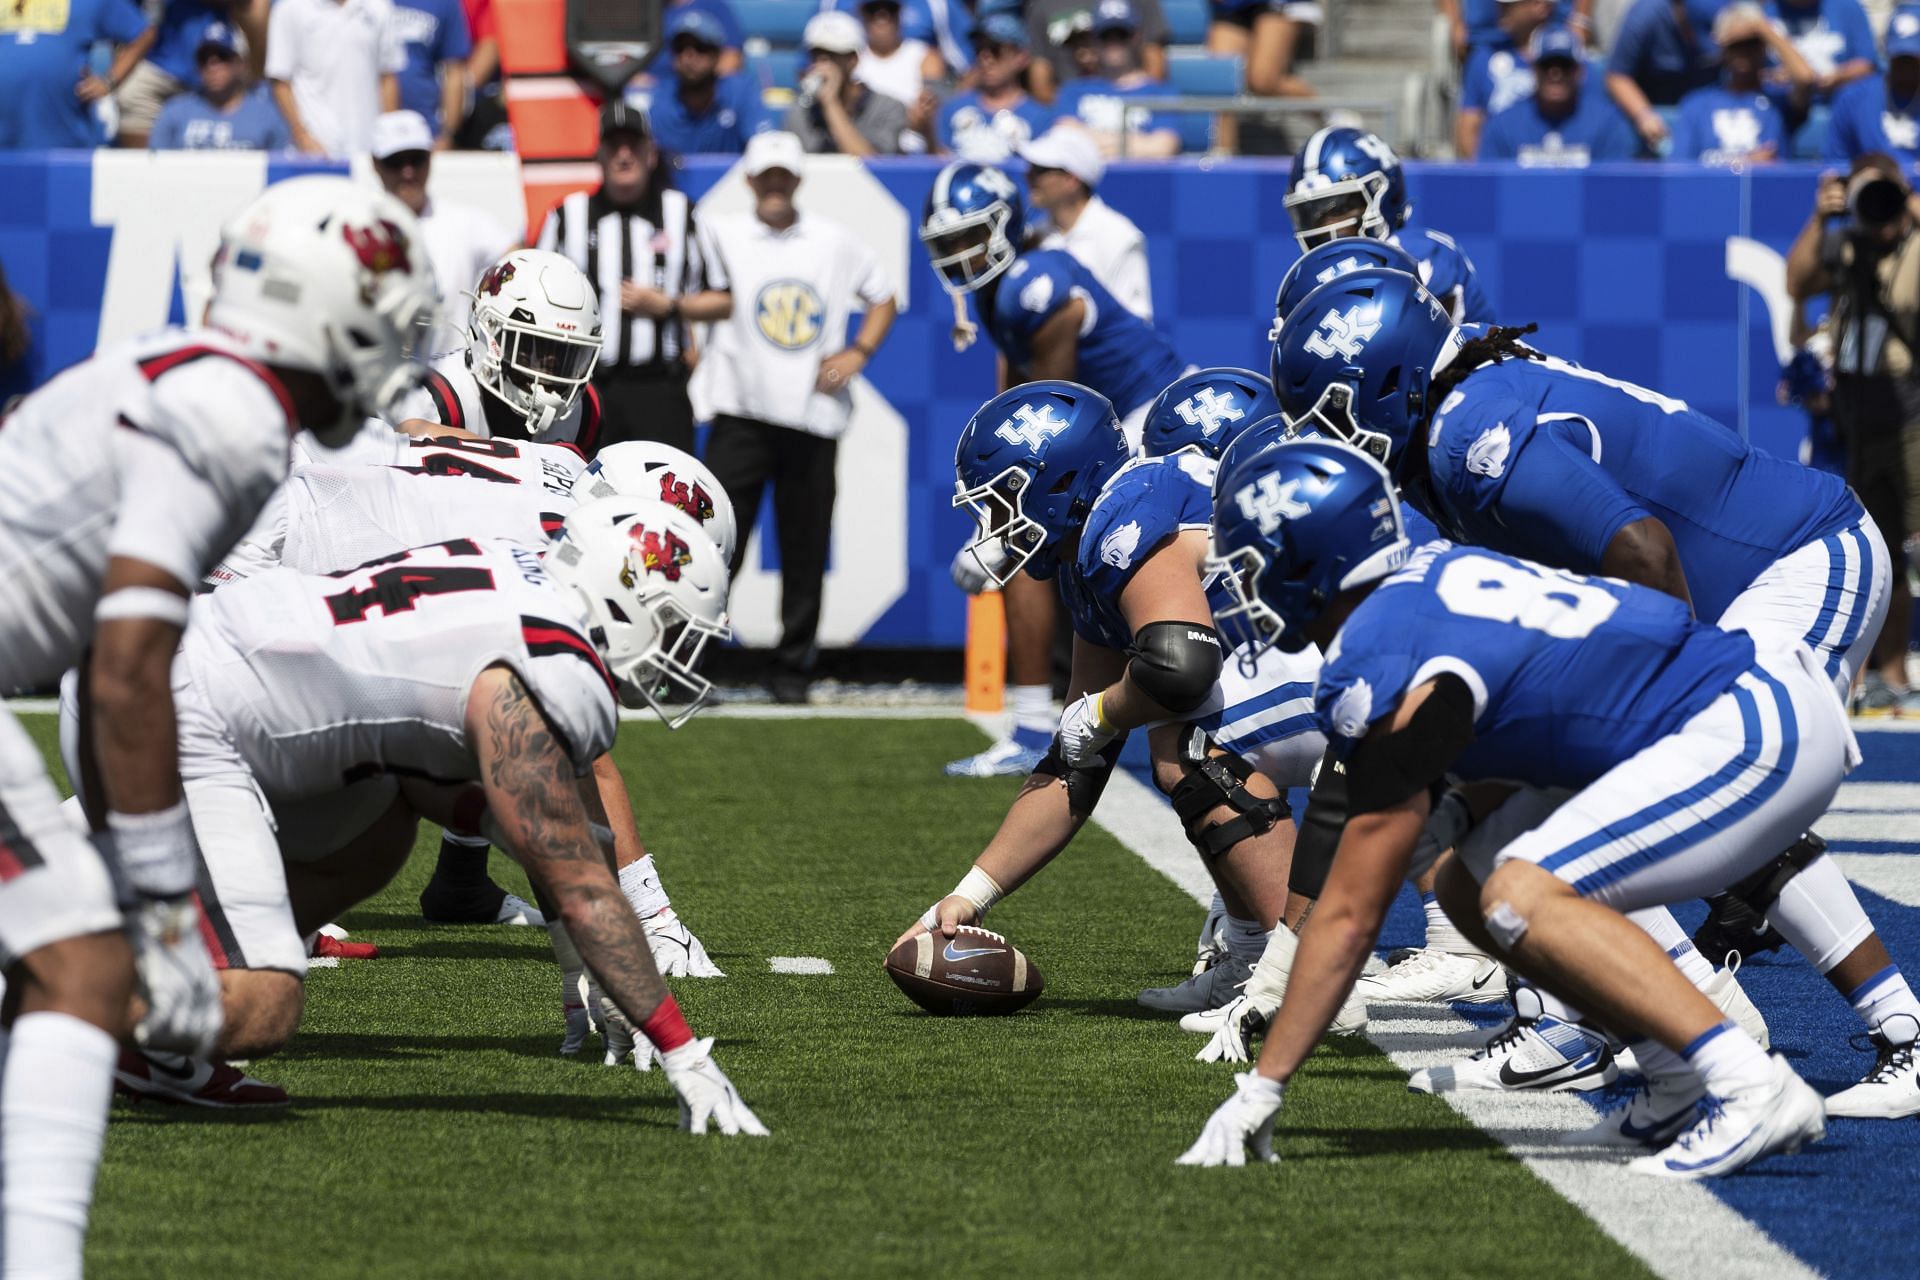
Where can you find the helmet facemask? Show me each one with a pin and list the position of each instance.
(1333, 415)
(665, 674)
(373, 368)
(1006, 537)
(1249, 624)
(963, 259)
(1333, 210)
(536, 372)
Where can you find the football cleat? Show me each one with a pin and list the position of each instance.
(1891, 1090)
(1428, 975)
(195, 1082)
(1660, 1109)
(1727, 995)
(1731, 1130)
(1014, 756)
(1538, 1052)
(1732, 925)
(326, 946)
(1207, 990)
(515, 909)
(485, 904)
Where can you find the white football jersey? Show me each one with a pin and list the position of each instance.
(161, 449)
(417, 490)
(451, 396)
(322, 680)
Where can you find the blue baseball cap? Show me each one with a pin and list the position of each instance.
(1555, 40)
(686, 20)
(1903, 33)
(221, 38)
(1114, 15)
(1001, 28)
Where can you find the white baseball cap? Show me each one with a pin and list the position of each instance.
(1068, 147)
(834, 32)
(398, 131)
(775, 151)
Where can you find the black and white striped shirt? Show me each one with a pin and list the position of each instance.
(652, 244)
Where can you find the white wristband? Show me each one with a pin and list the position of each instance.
(142, 602)
(980, 889)
(156, 850)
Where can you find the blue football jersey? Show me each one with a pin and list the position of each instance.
(1446, 271)
(1569, 675)
(1546, 460)
(1145, 502)
(1122, 357)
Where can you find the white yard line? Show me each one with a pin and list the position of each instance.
(1681, 1231)
(1895, 877)
(812, 965)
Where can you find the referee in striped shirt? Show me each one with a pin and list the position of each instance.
(635, 240)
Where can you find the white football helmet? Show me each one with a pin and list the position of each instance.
(649, 469)
(533, 336)
(325, 275)
(655, 590)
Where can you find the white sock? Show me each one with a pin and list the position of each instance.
(1818, 913)
(1726, 1058)
(1658, 923)
(1269, 981)
(1031, 706)
(1441, 934)
(640, 881)
(1246, 939)
(53, 1118)
(1656, 1059)
(1883, 995)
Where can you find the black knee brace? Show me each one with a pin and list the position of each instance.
(1212, 779)
(1762, 889)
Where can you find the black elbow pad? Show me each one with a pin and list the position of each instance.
(1320, 829)
(1386, 771)
(1176, 664)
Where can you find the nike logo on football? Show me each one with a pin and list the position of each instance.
(952, 956)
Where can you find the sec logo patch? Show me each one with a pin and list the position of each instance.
(789, 314)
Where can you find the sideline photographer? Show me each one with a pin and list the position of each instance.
(1860, 249)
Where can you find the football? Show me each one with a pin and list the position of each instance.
(972, 973)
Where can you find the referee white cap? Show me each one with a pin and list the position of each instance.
(398, 131)
(1068, 147)
(775, 151)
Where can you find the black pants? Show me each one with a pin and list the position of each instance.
(638, 404)
(745, 455)
(1881, 434)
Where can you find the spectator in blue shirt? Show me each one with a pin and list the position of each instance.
(1496, 77)
(697, 111)
(1882, 113)
(1735, 122)
(731, 58)
(434, 83)
(1663, 51)
(1833, 36)
(226, 113)
(49, 93)
(986, 122)
(1476, 25)
(1561, 125)
(169, 69)
(1110, 95)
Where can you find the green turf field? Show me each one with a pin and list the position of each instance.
(435, 1132)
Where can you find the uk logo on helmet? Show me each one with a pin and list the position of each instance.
(1270, 502)
(1209, 410)
(1032, 427)
(1343, 335)
(691, 498)
(664, 553)
(381, 247)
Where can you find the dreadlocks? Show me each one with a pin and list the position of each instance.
(1500, 343)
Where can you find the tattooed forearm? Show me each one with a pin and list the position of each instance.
(534, 798)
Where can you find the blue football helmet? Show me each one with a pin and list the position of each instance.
(1256, 438)
(1354, 360)
(1334, 258)
(971, 225)
(1294, 526)
(1203, 411)
(1029, 464)
(1346, 182)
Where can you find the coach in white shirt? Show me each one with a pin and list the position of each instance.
(776, 382)
(1063, 169)
(462, 241)
(332, 64)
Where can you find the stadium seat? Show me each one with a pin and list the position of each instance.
(1203, 73)
(777, 70)
(1811, 138)
(1187, 20)
(778, 22)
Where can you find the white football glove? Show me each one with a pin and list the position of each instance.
(1083, 731)
(1243, 1123)
(676, 952)
(974, 567)
(706, 1093)
(1246, 1019)
(177, 978)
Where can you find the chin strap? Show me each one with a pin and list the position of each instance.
(965, 331)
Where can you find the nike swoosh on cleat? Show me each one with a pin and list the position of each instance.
(1650, 1132)
(1521, 1079)
(1484, 980)
(951, 955)
(172, 1073)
